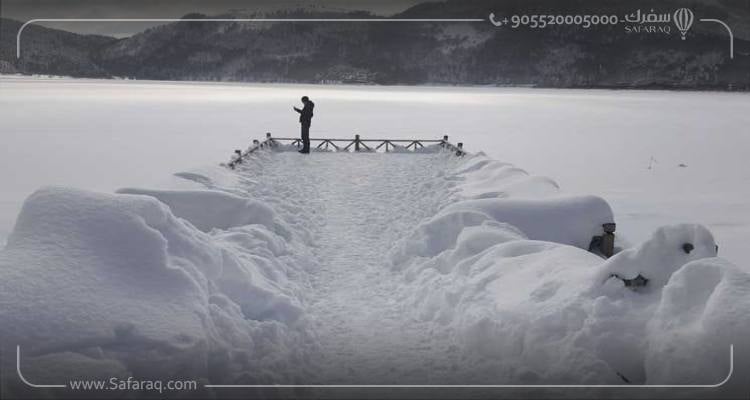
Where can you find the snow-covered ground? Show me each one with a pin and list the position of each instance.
(373, 268)
(103, 135)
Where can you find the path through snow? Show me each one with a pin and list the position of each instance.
(357, 213)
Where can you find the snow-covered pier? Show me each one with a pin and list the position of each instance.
(362, 268)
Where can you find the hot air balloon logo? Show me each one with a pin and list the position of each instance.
(683, 18)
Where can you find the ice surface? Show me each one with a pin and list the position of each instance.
(373, 268)
(590, 141)
(362, 269)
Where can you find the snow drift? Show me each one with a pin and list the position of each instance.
(210, 209)
(219, 282)
(507, 276)
(119, 282)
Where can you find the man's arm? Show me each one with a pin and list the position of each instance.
(297, 109)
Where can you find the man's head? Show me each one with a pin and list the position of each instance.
(305, 99)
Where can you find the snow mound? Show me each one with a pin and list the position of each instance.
(212, 209)
(441, 233)
(655, 260)
(121, 276)
(505, 214)
(483, 177)
(567, 220)
(511, 280)
(538, 312)
(702, 311)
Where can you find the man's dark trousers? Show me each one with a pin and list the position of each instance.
(305, 137)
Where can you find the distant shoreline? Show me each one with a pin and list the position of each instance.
(374, 85)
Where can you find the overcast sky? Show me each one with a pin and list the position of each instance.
(25, 10)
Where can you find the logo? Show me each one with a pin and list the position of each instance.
(648, 23)
(683, 19)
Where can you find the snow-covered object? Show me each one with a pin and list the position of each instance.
(488, 190)
(703, 310)
(566, 220)
(119, 277)
(483, 177)
(448, 231)
(533, 204)
(655, 260)
(212, 209)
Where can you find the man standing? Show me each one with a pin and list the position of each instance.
(305, 117)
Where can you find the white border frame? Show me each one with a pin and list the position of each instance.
(18, 56)
(649, 386)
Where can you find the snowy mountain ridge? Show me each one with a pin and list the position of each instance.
(411, 54)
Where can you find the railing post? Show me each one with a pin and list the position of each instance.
(460, 150)
(356, 142)
(445, 141)
(607, 245)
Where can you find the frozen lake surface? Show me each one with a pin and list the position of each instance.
(103, 135)
(343, 268)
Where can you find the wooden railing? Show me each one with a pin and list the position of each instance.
(357, 145)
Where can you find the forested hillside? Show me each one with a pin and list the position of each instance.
(471, 53)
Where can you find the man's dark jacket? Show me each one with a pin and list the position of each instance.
(306, 114)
